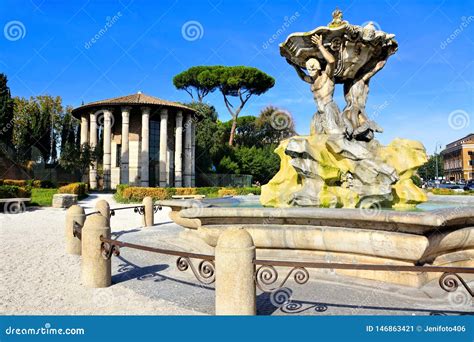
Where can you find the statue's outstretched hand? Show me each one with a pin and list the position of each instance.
(317, 40)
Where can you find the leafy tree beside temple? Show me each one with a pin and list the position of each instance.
(238, 82)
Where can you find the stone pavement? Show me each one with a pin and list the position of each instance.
(156, 275)
(48, 281)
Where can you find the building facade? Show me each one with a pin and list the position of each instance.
(146, 141)
(459, 159)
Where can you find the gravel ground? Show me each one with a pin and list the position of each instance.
(38, 277)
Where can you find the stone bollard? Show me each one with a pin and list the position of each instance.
(235, 286)
(96, 271)
(103, 207)
(148, 215)
(75, 214)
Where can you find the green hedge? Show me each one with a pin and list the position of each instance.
(79, 189)
(34, 183)
(127, 194)
(13, 191)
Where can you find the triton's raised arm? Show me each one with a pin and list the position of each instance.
(318, 41)
(305, 77)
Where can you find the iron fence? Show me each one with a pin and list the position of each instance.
(267, 275)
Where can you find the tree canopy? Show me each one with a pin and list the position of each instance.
(255, 140)
(6, 112)
(428, 170)
(241, 82)
(40, 122)
(195, 82)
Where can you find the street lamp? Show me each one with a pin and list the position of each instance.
(438, 144)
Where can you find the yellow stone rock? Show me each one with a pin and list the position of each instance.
(277, 192)
(405, 156)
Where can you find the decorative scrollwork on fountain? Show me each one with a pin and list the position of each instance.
(108, 249)
(267, 275)
(205, 272)
(139, 210)
(157, 207)
(449, 282)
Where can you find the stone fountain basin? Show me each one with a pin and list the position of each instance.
(443, 237)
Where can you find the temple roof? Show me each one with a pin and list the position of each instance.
(131, 100)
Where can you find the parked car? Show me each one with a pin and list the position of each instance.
(469, 185)
(453, 187)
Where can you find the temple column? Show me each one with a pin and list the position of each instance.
(145, 150)
(178, 151)
(93, 143)
(84, 140)
(193, 154)
(124, 157)
(163, 148)
(107, 143)
(84, 130)
(188, 150)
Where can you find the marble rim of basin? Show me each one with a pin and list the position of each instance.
(439, 237)
(421, 223)
(376, 243)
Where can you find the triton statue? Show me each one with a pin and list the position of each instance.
(340, 163)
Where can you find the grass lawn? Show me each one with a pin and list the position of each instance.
(42, 197)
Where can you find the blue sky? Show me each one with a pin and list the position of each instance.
(425, 92)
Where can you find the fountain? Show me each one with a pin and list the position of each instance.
(341, 164)
(326, 203)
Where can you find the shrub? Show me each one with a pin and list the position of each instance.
(186, 191)
(248, 190)
(126, 193)
(227, 192)
(120, 189)
(443, 191)
(15, 182)
(13, 191)
(139, 193)
(207, 191)
(79, 189)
